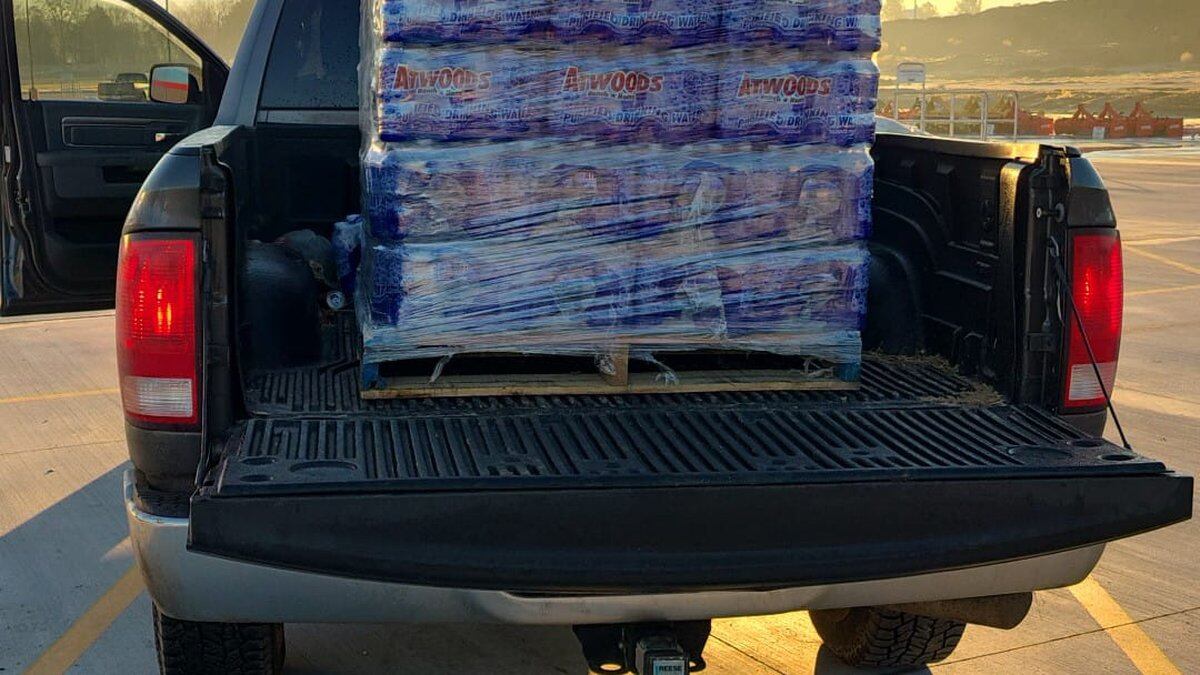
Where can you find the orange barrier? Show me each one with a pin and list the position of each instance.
(1079, 124)
(1170, 127)
(1146, 124)
(1114, 123)
(1028, 124)
(1140, 123)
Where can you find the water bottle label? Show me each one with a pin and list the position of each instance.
(797, 102)
(458, 94)
(648, 98)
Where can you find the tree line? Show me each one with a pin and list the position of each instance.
(77, 40)
(894, 10)
(69, 40)
(220, 23)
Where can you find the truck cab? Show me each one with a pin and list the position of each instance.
(967, 471)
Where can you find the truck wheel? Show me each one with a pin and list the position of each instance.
(875, 637)
(193, 648)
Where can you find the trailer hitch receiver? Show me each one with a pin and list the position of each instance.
(667, 648)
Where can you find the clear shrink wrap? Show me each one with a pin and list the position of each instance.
(829, 25)
(733, 194)
(813, 25)
(433, 299)
(620, 94)
(580, 176)
(347, 250)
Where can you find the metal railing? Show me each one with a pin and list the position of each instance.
(978, 123)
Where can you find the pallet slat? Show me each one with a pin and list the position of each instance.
(689, 382)
(618, 360)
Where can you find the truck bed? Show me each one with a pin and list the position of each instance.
(911, 417)
(920, 469)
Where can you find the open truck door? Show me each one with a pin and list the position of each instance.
(94, 92)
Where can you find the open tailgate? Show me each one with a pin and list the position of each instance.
(916, 472)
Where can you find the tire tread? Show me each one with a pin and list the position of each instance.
(195, 648)
(876, 637)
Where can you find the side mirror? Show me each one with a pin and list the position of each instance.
(171, 84)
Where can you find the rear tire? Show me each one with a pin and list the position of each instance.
(195, 648)
(875, 637)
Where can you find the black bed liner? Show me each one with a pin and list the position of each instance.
(694, 444)
(332, 388)
(918, 471)
(912, 419)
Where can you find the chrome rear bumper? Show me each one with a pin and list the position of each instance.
(198, 587)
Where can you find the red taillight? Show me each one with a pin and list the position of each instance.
(1097, 286)
(156, 331)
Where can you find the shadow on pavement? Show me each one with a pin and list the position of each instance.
(56, 564)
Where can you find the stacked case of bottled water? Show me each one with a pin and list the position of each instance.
(574, 176)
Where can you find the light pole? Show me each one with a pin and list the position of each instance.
(167, 6)
(33, 92)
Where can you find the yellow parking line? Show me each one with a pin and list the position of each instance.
(90, 626)
(1121, 628)
(34, 322)
(1163, 259)
(1166, 289)
(59, 395)
(1160, 241)
(1166, 405)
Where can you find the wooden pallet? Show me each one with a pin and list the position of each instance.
(617, 379)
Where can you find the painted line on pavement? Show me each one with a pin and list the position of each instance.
(1030, 645)
(1160, 291)
(59, 395)
(1163, 259)
(1132, 640)
(29, 322)
(1160, 241)
(88, 628)
(1169, 405)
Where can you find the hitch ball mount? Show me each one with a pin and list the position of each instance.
(666, 648)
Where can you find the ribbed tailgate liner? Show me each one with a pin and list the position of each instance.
(703, 440)
(334, 389)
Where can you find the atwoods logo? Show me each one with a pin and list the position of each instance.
(612, 83)
(441, 80)
(786, 87)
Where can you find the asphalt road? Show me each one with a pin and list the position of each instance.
(68, 598)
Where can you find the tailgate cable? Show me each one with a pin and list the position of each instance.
(1064, 287)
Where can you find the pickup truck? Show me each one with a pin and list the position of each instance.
(967, 471)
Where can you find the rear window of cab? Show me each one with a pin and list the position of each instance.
(313, 63)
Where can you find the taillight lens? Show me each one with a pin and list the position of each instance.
(1098, 287)
(156, 331)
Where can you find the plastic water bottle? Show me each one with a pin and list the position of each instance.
(661, 22)
(347, 250)
(824, 25)
(435, 21)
